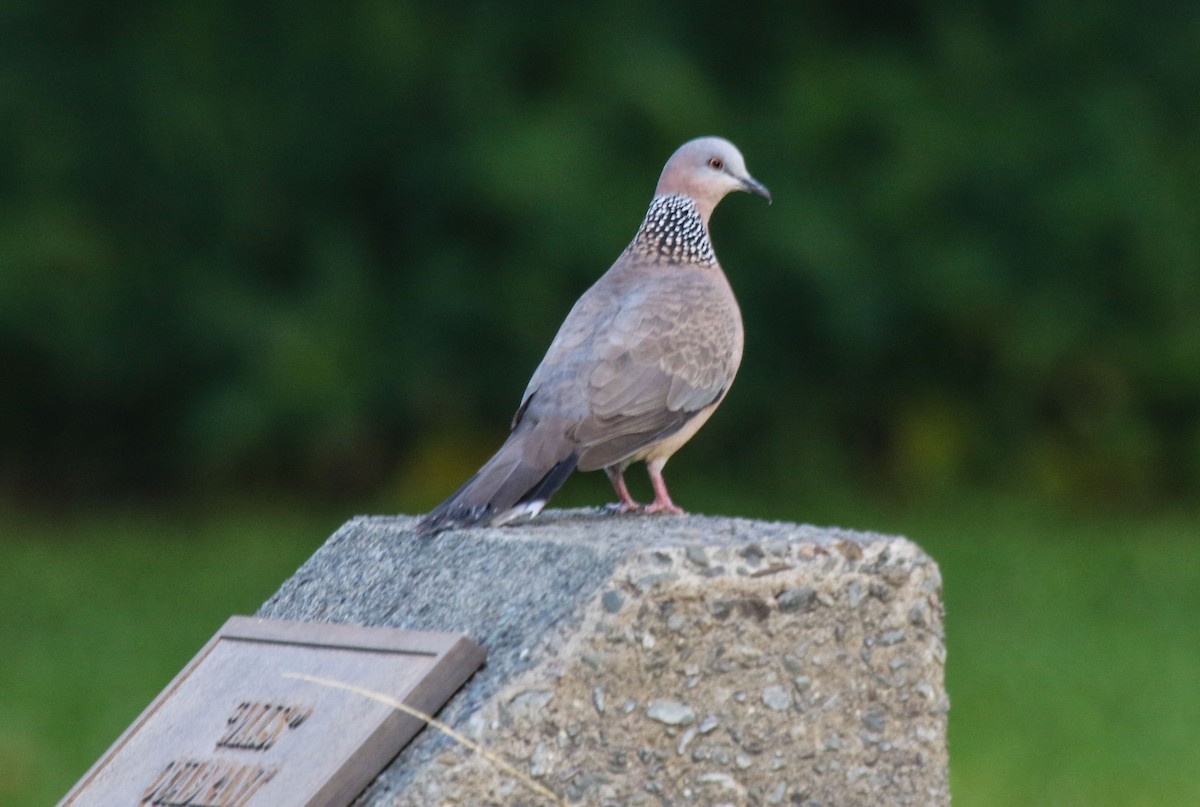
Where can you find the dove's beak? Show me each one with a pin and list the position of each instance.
(752, 185)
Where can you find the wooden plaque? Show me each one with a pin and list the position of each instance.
(237, 729)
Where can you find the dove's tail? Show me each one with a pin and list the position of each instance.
(514, 484)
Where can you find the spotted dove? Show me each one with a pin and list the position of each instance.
(640, 363)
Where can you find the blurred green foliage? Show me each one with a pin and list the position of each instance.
(313, 244)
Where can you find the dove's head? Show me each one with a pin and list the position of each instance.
(706, 169)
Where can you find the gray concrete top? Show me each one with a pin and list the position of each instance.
(504, 587)
(518, 590)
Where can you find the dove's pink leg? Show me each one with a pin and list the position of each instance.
(662, 500)
(616, 475)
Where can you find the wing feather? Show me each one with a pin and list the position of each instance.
(640, 354)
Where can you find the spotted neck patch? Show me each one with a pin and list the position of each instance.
(673, 232)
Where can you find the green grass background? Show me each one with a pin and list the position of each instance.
(1073, 659)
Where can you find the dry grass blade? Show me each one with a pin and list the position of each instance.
(462, 740)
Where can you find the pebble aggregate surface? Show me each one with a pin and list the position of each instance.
(637, 660)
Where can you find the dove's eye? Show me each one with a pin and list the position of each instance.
(716, 163)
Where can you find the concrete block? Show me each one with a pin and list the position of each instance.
(638, 660)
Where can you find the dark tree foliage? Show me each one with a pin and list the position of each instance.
(312, 245)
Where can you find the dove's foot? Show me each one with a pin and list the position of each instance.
(625, 503)
(662, 500)
(668, 507)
